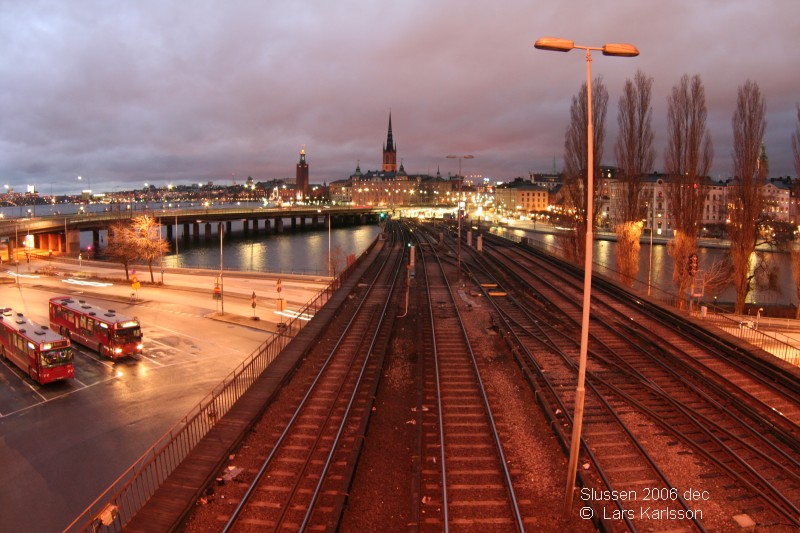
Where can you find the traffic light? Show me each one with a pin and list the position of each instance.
(692, 265)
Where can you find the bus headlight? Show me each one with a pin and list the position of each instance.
(117, 350)
(139, 346)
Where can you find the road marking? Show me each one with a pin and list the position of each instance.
(96, 358)
(182, 334)
(182, 313)
(84, 282)
(48, 400)
(16, 371)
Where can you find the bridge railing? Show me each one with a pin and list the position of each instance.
(128, 494)
(64, 221)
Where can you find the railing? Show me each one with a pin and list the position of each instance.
(747, 329)
(59, 222)
(129, 493)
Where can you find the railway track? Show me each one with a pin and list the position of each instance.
(303, 481)
(464, 479)
(740, 422)
(681, 433)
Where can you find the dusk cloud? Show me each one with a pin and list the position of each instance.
(183, 92)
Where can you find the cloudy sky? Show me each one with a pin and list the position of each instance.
(124, 93)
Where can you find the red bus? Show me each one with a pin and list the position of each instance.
(100, 329)
(41, 352)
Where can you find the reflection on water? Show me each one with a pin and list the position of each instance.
(604, 260)
(304, 252)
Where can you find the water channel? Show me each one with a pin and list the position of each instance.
(307, 251)
(658, 266)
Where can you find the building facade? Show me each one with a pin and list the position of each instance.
(392, 186)
(522, 196)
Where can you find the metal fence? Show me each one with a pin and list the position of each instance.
(748, 329)
(129, 493)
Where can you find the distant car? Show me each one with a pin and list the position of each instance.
(746, 323)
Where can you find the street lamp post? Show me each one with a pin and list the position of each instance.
(652, 227)
(625, 50)
(221, 287)
(160, 252)
(458, 200)
(177, 257)
(328, 215)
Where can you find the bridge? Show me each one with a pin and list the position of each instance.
(61, 233)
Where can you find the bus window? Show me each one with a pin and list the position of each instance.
(128, 335)
(57, 357)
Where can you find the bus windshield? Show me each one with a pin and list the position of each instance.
(60, 356)
(128, 335)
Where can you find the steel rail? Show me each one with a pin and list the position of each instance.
(523, 329)
(688, 364)
(772, 492)
(770, 375)
(289, 426)
(334, 445)
(490, 416)
(703, 375)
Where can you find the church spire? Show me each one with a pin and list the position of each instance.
(389, 141)
(390, 151)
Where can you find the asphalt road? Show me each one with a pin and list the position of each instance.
(62, 444)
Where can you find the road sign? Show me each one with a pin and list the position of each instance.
(217, 292)
(278, 286)
(253, 300)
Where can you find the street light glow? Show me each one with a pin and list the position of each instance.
(460, 204)
(620, 50)
(555, 44)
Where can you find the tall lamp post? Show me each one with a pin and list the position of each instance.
(330, 263)
(652, 227)
(221, 286)
(459, 157)
(625, 50)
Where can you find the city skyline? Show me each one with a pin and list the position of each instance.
(191, 93)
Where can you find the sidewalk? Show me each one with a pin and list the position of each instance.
(238, 288)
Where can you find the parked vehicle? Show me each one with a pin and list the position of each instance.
(45, 355)
(104, 330)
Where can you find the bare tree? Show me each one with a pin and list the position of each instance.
(795, 259)
(635, 155)
(795, 251)
(745, 194)
(576, 158)
(121, 245)
(337, 261)
(687, 160)
(148, 242)
(716, 276)
(796, 144)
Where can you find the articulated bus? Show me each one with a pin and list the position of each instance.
(41, 352)
(111, 334)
